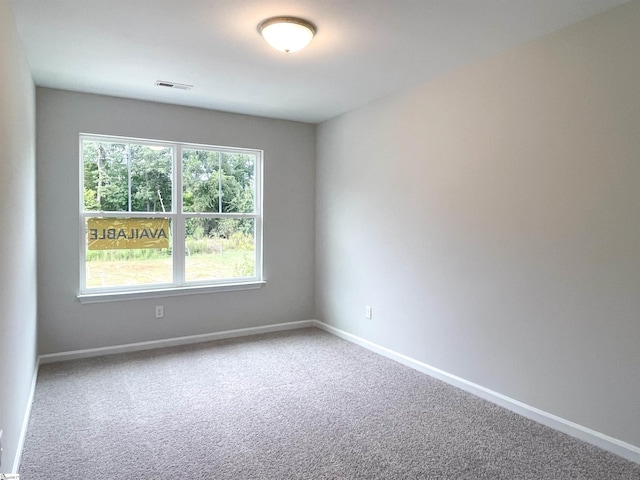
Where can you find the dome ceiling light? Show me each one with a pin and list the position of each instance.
(287, 34)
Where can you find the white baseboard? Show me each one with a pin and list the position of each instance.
(613, 445)
(25, 421)
(172, 342)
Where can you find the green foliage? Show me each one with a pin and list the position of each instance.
(244, 268)
(123, 255)
(90, 202)
(217, 182)
(116, 171)
(122, 177)
(225, 227)
(214, 244)
(198, 246)
(240, 241)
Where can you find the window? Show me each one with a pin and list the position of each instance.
(159, 215)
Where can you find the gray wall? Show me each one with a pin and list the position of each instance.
(17, 241)
(289, 177)
(491, 218)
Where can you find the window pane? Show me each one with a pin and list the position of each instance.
(128, 251)
(218, 181)
(219, 248)
(106, 176)
(200, 181)
(122, 177)
(238, 182)
(150, 178)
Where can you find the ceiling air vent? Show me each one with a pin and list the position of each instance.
(177, 86)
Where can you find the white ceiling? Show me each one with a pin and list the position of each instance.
(364, 49)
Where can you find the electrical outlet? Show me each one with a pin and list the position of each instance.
(368, 312)
(159, 311)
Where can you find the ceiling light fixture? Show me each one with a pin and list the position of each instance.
(287, 34)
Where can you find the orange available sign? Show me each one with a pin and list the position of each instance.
(127, 233)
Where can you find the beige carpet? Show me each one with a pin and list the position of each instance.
(294, 405)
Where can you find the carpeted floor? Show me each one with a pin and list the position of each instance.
(301, 404)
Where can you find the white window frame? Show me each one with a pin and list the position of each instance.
(178, 286)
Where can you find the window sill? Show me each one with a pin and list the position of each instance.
(166, 292)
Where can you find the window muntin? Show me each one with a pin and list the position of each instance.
(213, 239)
